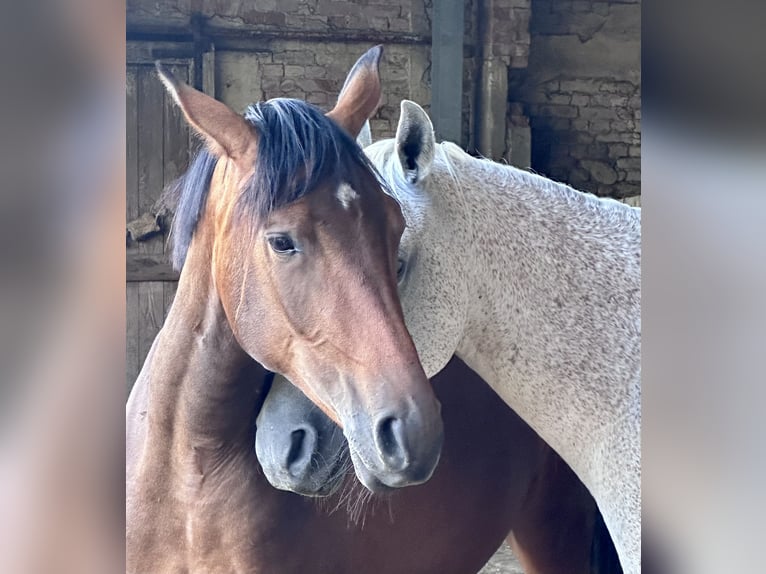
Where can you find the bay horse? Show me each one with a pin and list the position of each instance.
(208, 507)
(196, 500)
(297, 243)
(536, 286)
(553, 522)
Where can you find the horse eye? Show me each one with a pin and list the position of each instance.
(281, 244)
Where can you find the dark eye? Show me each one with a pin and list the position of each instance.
(401, 267)
(281, 244)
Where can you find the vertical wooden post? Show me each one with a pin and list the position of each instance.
(447, 69)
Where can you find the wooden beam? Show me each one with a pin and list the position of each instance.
(447, 69)
(227, 38)
(168, 52)
(148, 267)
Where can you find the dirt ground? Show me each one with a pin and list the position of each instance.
(503, 562)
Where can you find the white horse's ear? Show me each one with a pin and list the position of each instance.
(415, 141)
(365, 135)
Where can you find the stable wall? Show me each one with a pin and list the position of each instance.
(582, 93)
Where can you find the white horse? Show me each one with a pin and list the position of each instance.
(536, 287)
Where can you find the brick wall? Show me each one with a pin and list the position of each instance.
(299, 70)
(573, 67)
(581, 92)
(332, 17)
(304, 48)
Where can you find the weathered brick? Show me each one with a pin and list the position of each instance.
(271, 85)
(597, 113)
(580, 85)
(611, 100)
(580, 124)
(399, 25)
(629, 163)
(318, 98)
(613, 137)
(618, 150)
(335, 8)
(600, 171)
(598, 150)
(578, 176)
(600, 126)
(623, 126)
(624, 88)
(315, 72)
(379, 23)
(559, 98)
(558, 111)
(560, 124)
(272, 70)
(580, 100)
(298, 58)
(294, 71)
(268, 18)
(381, 128)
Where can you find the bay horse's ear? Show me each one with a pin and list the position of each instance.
(224, 131)
(360, 96)
(415, 141)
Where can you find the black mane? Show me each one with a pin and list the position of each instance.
(299, 148)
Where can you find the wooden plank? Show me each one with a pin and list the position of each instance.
(133, 362)
(132, 358)
(208, 72)
(151, 297)
(151, 300)
(148, 267)
(131, 151)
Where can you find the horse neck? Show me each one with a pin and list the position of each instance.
(555, 295)
(198, 386)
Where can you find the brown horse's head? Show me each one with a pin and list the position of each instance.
(304, 261)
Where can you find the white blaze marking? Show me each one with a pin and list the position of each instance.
(346, 195)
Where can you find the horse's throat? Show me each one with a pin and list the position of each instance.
(201, 389)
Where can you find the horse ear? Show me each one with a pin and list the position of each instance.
(415, 141)
(365, 135)
(360, 96)
(224, 131)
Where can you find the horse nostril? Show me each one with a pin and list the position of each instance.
(300, 452)
(389, 438)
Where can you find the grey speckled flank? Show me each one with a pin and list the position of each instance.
(537, 287)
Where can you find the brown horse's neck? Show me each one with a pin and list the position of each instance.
(190, 432)
(202, 387)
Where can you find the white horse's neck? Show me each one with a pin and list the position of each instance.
(556, 286)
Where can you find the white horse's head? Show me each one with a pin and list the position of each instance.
(434, 284)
